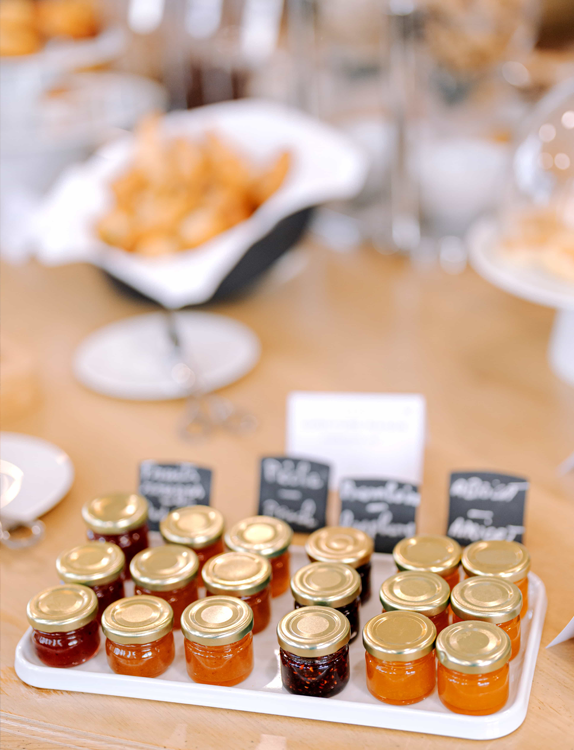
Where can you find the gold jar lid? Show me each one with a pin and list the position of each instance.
(327, 584)
(266, 536)
(340, 544)
(313, 631)
(508, 560)
(137, 619)
(91, 564)
(61, 609)
(414, 591)
(196, 526)
(399, 636)
(171, 566)
(217, 621)
(486, 598)
(115, 513)
(473, 647)
(242, 573)
(435, 554)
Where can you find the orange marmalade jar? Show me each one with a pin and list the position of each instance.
(473, 674)
(490, 600)
(168, 572)
(411, 591)
(400, 657)
(507, 560)
(218, 640)
(432, 554)
(198, 527)
(345, 545)
(268, 537)
(139, 638)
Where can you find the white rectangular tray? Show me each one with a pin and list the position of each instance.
(263, 693)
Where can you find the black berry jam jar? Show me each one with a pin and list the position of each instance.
(314, 650)
(345, 545)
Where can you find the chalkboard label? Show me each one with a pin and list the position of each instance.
(382, 508)
(294, 490)
(170, 486)
(485, 505)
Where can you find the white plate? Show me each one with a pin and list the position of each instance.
(262, 691)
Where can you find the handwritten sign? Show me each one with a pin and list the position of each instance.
(170, 486)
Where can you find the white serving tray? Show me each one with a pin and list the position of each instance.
(263, 693)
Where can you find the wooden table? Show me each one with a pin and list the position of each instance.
(349, 322)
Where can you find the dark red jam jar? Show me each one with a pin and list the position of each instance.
(345, 545)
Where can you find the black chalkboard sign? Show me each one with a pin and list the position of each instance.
(294, 490)
(170, 486)
(486, 505)
(382, 508)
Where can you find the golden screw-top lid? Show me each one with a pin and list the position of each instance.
(313, 631)
(435, 554)
(414, 591)
(340, 544)
(61, 609)
(266, 536)
(115, 513)
(326, 584)
(196, 526)
(486, 598)
(238, 572)
(399, 636)
(508, 560)
(473, 647)
(91, 564)
(217, 620)
(137, 619)
(171, 566)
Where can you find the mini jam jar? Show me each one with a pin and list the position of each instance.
(64, 623)
(411, 591)
(139, 637)
(507, 560)
(218, 640)
(98, 565)
(168, 572)
(329, 585)
(244, 575)
(473, 674)
(314, 651)
(400, 658)
(492, 600)
(432, 554)
(198, 527)
(345, 545)
(268, 537)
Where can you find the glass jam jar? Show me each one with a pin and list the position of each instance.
(400, 659)
(168, 572)
(98, 565)
(314, 651)
(120, 518)
(346, 545)
(432, 554)
(218, 640)
(473, 674)
(268, 537)
(411, 591)
(507, 560)
(198, 527)
(246, 576)
(64, 623)
(329, 585)
(490, 600)
(139, 637)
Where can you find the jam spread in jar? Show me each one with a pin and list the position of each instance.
(139, 637)
(246, 576)
(412, 591)
(433, 554)
(473, 674)
(198, 527)
(346, 545)
(168, 572)
(218, 640)
(314, 651)
(400, 659)
(64, 623)
(268, 537)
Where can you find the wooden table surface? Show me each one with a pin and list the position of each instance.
(348, 322)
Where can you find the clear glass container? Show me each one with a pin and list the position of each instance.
(432, 554)
(411, 591)
(345, 545)
(198, 527)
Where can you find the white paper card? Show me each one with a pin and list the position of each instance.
(564, 635)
